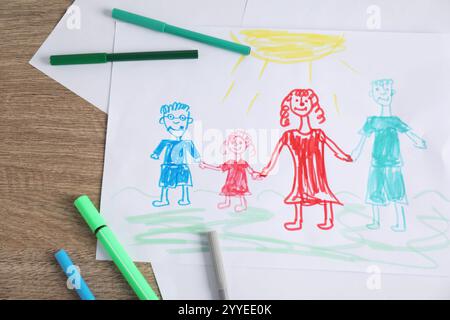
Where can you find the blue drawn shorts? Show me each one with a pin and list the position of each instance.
(386, 185)
(174, 175)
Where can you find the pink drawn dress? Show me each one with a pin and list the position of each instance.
(310, 184)
(236, 182)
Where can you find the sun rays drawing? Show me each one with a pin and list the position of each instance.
(290, 47)
(287, 47)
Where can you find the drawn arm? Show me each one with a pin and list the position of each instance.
(418, 141)
(157, 152)
(273, 159)
(193, 151)
(204, 165)
(338, 153)
(366, 131)
(254, 174)
(358, 149)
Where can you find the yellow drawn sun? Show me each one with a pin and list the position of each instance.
(286, 47)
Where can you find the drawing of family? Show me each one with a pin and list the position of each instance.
(307, 148)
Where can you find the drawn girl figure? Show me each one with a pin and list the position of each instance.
(307, 146)
(236, 185)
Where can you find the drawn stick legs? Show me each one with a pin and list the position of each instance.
(375, 218)
(328, 220)
(164, 198)
(184, 201)
(242, 206)
(400, 225)
(225, 204)
(328, 217)
(298, 219)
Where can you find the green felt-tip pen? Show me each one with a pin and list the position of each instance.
(91, 58)
(118, 254)
(160, 26)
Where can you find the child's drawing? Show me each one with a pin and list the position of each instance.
(386, 184)
(162, 209)
(306, 145)
(175, 171)
(236, 185)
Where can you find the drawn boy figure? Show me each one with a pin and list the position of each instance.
(386, 184)
(175, 172)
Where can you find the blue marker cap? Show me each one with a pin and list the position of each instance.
(72, 272)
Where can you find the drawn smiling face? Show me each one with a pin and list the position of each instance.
(177, 122)
(382, 93)
(236, 145)
(301, 105)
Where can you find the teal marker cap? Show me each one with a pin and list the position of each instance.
(89, 213)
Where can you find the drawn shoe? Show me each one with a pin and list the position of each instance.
(223, 205)
(240, 208)
(293, 225)
(373, 226)
(184, 202)
(398, 228)
(159, 203)
(326, 225)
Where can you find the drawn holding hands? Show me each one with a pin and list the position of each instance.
(202, 165)
(256, 175)
(263, 174)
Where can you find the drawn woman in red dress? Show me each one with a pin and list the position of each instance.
(237, 168)
(306, 145)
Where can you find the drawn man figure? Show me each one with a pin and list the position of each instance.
(175, 172)
(386, 184)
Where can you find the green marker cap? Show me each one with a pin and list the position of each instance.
(89, 213)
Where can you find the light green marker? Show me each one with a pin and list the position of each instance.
(160, 26)
(118, 254)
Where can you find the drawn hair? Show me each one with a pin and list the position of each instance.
(381, 82)
(286, 105)
(165, 109)
(244, 136)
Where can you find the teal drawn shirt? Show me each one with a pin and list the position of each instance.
(386, 146)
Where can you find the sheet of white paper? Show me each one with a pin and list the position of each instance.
(97, 28)
(96, 34)
(342, 80)
(193, 282)
(393, 16)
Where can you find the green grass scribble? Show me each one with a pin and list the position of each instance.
(174, 228)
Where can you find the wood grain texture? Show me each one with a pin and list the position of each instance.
(51, 151)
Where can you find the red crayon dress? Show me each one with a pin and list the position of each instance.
(236, 182)
(310, 185)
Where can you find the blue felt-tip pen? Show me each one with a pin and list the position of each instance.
(73, 274)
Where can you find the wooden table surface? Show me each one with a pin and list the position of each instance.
(51, 151)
